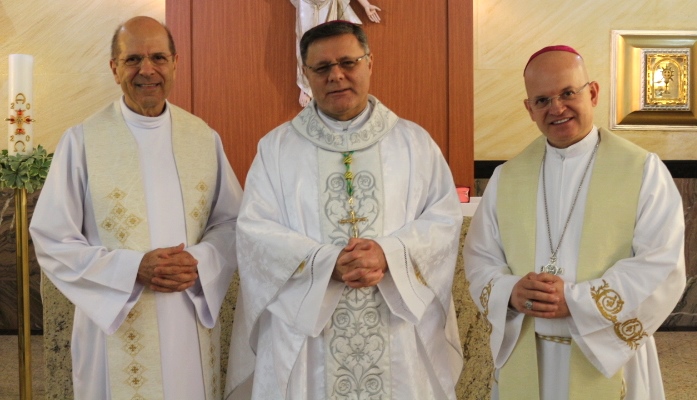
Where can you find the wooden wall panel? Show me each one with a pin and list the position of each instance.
(410, 68)
(461, 91)
(178, 19)
(242, 70)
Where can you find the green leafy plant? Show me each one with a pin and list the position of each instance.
(24, 171)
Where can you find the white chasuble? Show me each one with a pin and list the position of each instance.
(299, 334)
(118, 195)
(357, 337)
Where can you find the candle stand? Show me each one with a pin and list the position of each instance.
(24, 170)
(23, 315)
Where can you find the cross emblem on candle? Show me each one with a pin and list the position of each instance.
(353, 220)
(20, 119)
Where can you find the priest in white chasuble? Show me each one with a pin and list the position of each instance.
(348, 236)
(576, 252)
(136, 227)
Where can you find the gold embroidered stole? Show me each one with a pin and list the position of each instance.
(606, 237)
(118, 195)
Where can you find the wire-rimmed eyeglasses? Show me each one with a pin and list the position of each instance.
(136, 60)
(345, 65)
(541, 103)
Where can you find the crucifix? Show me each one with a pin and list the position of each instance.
(353, 220)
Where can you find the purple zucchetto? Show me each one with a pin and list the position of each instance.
(558, 47)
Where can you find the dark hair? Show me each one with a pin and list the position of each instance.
(331, 29)
(115, 41)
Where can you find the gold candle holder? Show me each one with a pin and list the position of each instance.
(23, 313)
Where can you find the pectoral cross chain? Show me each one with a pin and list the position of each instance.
(353, 220)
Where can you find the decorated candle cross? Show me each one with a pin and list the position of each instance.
(20, 98)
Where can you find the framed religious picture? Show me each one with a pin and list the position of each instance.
(653, 80)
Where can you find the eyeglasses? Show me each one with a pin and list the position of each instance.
(541, 103)
(136, 60)
(344, 65)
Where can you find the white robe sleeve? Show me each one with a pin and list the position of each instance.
(421, 253)
(216, 252)
(273, 252)
(103, 283)
(650, 282)
(98, 281)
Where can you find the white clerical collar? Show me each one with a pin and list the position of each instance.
(351, 125)
(581, 147)
(142, 121)
(328, 135)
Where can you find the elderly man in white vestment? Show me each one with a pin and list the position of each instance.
(576, 252)
(136, 226)
(348, 237)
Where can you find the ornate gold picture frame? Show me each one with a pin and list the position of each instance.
(653, 80)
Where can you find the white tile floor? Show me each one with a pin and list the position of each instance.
(676, 350)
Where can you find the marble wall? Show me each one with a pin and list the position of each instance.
(685, 314)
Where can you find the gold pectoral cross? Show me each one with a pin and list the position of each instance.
(353, 220)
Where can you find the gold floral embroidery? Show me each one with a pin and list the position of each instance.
(610, 303)
(301, 267)
(484, 297)
(201, 212)
(484, 300)
(212, 360)
(202, 187)
(133, 220)
(108, 224)
(131, 342)
(419, 275)
(117, 194)
(118, 211)
(119, 221)
(135, 375)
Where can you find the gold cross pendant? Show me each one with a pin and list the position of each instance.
(353, 220)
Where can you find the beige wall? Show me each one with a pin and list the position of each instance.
(507, 32)
(70, 41)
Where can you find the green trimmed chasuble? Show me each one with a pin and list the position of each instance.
(608, 228)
